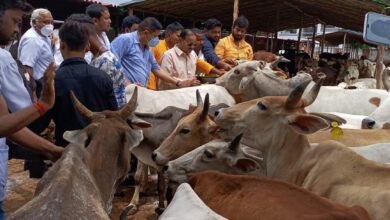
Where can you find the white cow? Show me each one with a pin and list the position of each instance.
(380, 118)
(187, 205)
(151, 101)
(335, 99)
(365, 83)
(352, 121)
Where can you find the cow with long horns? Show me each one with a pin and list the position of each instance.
(82, 183)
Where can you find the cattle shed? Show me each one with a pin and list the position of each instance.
(268, 15)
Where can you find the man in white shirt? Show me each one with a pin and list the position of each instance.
(180, 61)
(35, 50)
(102, 22)
(14, 97)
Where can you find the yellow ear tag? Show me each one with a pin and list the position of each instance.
(336, 131)
(282, 77)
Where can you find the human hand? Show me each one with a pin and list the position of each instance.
(48, 93)
(226, 67)
(55, 153)
(229, 61)
(189, 82)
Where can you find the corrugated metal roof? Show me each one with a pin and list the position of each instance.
(115, 2)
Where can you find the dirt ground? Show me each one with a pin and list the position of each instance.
(20, 190)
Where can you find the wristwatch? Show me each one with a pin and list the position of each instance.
(178, 83)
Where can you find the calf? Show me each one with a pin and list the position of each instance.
(227, 157)
(278, 127)
(191, 131)
(81, 184)
(249, 197)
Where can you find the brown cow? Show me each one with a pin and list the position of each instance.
(250, 197)
(192, 131)
(278, 127)
(81, 184)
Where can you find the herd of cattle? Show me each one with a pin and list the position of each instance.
(257, 145)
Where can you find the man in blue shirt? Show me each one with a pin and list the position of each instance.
(133, 51)
(23, 112)
(213, 35)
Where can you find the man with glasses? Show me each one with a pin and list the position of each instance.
(180, 61)
(35, 50)
(234, 47)
(133, 51)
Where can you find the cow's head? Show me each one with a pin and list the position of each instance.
(108, 139)
(240, 77)
(380, 118)
(352, 72)
(270, 119)
(192, 130)
(227, 157)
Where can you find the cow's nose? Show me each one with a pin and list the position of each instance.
(368, 123)
(165, 168)
(216, 113)
(154, 155)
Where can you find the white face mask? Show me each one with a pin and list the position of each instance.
(47, 30)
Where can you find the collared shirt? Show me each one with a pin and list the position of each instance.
(108, 63)
(16, 96)
(91, 86)
(158, 53)
(228, 49)
(136, 61)
(208, 51)
(35, 51)
(104, 40)
(179, 65)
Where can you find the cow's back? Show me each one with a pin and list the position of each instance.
(247, 197)
(150, 101)
(67, 191)
(353, 137)
(356, 102)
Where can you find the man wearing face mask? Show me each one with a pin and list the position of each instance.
(133, 51)
(35, 50)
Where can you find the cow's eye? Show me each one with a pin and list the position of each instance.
(208, 154)
(262, 106)
(237, 72)
(184, 131)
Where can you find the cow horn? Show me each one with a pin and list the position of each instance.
(84, 111)
(234, 145)
(199, 101)
(386, 79)
(311, 96)
(278, 60)
(129, 108)
(294, 97)
(206, 107)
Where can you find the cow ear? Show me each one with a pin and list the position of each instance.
(375, 101)
(306, 124)
(246, 165)
(75, 137)
(140, 123)
(245, 83)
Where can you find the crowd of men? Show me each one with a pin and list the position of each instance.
(34, 88)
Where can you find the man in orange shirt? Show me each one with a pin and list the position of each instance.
(172, 36)
(234, 47)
